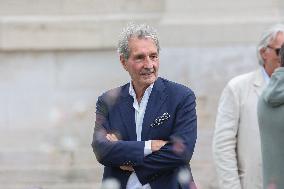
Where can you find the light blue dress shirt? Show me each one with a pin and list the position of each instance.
(265, 75)
(133, 182)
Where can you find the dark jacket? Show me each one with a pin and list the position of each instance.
(115, 114)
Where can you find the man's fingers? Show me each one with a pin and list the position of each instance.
(163, 143)
(114, 138)
(127, 168)
(111, 137)
(157, 144)
(108, 137)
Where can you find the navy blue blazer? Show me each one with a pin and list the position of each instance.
(115, 114)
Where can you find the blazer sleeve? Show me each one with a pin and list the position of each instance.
(113, 153)
(225, 139)
(179, 150)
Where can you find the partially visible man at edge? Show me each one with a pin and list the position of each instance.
(145, 130)
(236, 141)
(271, 126)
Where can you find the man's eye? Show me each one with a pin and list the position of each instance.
(153, 57)
(139, 57)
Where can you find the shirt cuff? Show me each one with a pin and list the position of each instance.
(147, 148)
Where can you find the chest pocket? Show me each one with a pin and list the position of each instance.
(161, 127)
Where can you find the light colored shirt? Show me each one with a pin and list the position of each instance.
(265, 75)
(133, 182)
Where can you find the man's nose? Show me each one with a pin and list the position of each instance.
(148, 62)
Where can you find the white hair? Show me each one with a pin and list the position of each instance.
(266, 37)
(135, 30)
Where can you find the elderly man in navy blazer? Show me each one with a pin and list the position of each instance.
(145, 130)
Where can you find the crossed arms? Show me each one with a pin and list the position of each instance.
(155, 146)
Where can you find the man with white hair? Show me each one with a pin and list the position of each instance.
(145, 130)
(236, 141)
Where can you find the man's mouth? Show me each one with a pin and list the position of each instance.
(147, 73)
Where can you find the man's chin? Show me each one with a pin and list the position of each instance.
(149, 81)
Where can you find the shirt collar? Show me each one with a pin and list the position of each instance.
(265, 75)
(133, 94)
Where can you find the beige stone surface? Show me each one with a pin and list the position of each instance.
(74, 7)
(86, 24)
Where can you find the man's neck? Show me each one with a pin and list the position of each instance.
(139, 93)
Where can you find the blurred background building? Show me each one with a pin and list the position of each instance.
(57, 56)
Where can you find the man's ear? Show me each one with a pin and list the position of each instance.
(123, 62)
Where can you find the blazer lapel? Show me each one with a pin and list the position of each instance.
(128, 114)
(156, 99)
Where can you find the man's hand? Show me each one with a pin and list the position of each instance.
(157, 144)
(112, 137)
(126, 168)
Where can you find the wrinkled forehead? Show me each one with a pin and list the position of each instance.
(142, 44)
